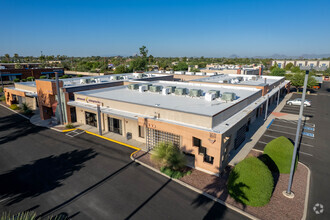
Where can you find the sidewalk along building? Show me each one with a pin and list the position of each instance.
(11, 74)
(265, 83)
(47, 93)
(206, 121)
(24, 92)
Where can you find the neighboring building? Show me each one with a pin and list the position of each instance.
(265, 83)
(47, 94)
(23, 65)
(313, 64)
(208, 122)
(24, 92)
(233, 69)
(11, 74)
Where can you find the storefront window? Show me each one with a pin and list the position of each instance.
(115, 125)
(91, 119)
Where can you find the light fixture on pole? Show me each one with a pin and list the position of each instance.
(288, 192)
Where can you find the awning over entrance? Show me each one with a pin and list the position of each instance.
(106, 110)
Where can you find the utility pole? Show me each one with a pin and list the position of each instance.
(288, 192)
(59, 98)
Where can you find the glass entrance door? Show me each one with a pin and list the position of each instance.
(115, 125)
(91, 119)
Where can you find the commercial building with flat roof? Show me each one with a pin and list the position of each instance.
(11, 74)
(206, 121)
(24, 92)
(265, 83)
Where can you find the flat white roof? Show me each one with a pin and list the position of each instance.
(185, 103)
(76, 81)
(241, 79)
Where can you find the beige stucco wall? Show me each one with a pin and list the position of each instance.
(327, 63)
(199, 120)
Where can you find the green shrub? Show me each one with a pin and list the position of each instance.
(280, 150)
(2, 98)
(24, 80)
(1, 89)
(30, 78)
(79, 75)
(16, 80)
(69, 126)
(169, 156)
(251, 182)
(43, 77)
(14, 107)
(176, 174)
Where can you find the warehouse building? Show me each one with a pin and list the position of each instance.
(206, 121)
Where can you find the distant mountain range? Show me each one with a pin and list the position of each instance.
(282, 56)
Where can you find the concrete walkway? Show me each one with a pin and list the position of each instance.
(36, 120)
(113, 136)
(258, 128)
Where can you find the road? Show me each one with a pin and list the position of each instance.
(86, 177)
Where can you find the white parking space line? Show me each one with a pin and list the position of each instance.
(288, 133)
(294, 122)
(283, 126)
(74, 133)
(305, 153)
(261, 142)
(308, 145)
(5, 199)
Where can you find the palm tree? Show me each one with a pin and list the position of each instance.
(7, 57)
(16, 57)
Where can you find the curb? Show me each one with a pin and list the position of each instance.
(15, 112)
(307, 188)
(307, 191)
(196, 190)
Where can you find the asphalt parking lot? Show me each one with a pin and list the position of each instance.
(286, 128)
(85, 177)
(294, 109)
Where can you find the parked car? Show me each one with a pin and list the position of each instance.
(297, 101)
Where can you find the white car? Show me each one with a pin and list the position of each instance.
(298, 102)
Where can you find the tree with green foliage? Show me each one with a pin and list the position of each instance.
(43, 77)
(16, 80)
(30, 78)
(7, 56)
(296, 69)
(251, 182)
(182, 66)
(280, 150)
(273, 67)
(194, 69)
(143, 51)
(288, 66)
(169, 156)
(121, 69)
(139, 64)
(297, 80)
(277, 72)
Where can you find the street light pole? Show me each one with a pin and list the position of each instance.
(294, 155)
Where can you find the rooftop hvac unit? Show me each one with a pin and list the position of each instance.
(190, 73)
(200, 74)
(179, 72)
(93, 80)
(143, 88)
(209, 96)
(181, 91)
(166, 91)
(171, 88)
(215, 92)
(210, 74)
(195, 92)
(115, 77)
(254, 78)
(125, 77)
(228, 96)
(225, 81)
(83, 81)
(240, 78)
(168, 72)
(97, 80)
(155, 88)
(133, 86)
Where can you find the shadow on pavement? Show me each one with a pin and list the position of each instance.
(218, 188)
(41, 176)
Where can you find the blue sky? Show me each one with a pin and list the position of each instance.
(168, 28)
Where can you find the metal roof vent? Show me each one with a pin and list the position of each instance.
(166, 91)
(143, 88)
(209, 96)
(215, 92)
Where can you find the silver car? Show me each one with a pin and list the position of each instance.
(298, 101)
